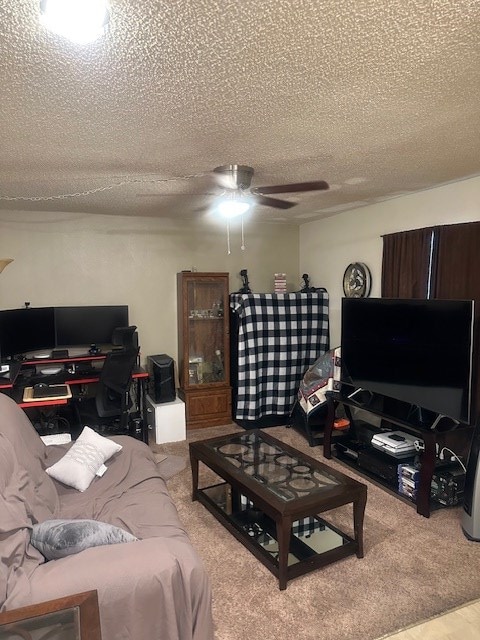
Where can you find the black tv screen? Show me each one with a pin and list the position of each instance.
(89, 324)
(415, 351)
(26, 330)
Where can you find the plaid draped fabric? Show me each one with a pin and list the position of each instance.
(279, 337)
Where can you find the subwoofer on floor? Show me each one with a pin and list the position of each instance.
(471, 498)
(161, 384)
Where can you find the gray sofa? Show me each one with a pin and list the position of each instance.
(155, 587)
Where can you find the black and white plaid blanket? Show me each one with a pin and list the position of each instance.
(279, 337)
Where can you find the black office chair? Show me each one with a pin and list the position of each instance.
(125, 337)
(108, 410)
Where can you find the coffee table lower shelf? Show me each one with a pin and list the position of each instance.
(313, 541)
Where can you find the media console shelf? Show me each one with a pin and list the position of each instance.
(380, 413)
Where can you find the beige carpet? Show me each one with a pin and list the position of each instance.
(170, 465)
(414, 567)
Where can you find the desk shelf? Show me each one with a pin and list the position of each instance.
(18, 380)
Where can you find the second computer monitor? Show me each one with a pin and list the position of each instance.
(89, 324)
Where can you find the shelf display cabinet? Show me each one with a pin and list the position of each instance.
(203, 348)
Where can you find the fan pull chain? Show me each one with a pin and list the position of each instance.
(242, 246)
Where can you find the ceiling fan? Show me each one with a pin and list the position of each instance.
(234, 195)
(237, 178)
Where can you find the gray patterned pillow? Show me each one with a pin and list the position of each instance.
(60, 538)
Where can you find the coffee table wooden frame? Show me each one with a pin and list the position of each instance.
(27, 621)
(283, 512)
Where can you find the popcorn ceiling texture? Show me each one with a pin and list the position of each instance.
(377, 97)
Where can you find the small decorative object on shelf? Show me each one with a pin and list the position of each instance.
(357, 280)
(280, 283)
(306, 285)
(246, 285)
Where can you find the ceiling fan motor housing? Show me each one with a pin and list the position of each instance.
(240, 175)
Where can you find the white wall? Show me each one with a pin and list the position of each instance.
(75, 259)
(329, 245)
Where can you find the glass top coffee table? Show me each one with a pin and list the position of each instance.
(74, 617)
(270, 497)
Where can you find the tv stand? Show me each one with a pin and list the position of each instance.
(450, 422)
(426, 419)
(395, 415)
(361, 396)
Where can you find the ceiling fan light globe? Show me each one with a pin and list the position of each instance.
(80, 21)
(230, 208)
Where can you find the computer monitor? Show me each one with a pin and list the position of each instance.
(26, 330)
(88, 324)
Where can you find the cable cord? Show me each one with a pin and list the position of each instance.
(79, 194)
(454, 455)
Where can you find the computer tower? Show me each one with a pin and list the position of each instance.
(471, 496)
(161, 384)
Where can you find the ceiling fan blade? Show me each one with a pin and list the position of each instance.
(319, 185)
(272, 202)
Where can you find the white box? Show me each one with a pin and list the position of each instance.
(168, 420)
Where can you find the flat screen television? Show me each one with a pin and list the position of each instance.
(416, 351)
(88, 324)
(26, 330)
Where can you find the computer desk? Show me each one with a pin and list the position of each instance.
(15, 381)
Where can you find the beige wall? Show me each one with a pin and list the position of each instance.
(67, 259)
(329, 245)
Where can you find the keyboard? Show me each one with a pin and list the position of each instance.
(56, 391)
(51, 379)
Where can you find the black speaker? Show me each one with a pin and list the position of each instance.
(161, 383)
(471, 496)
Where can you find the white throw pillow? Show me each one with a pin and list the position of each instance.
(80, 464)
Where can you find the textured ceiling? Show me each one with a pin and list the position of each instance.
(377, 97)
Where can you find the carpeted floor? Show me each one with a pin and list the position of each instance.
(414, 567)
(170, 465)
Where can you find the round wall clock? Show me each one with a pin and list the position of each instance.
(357, 280)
